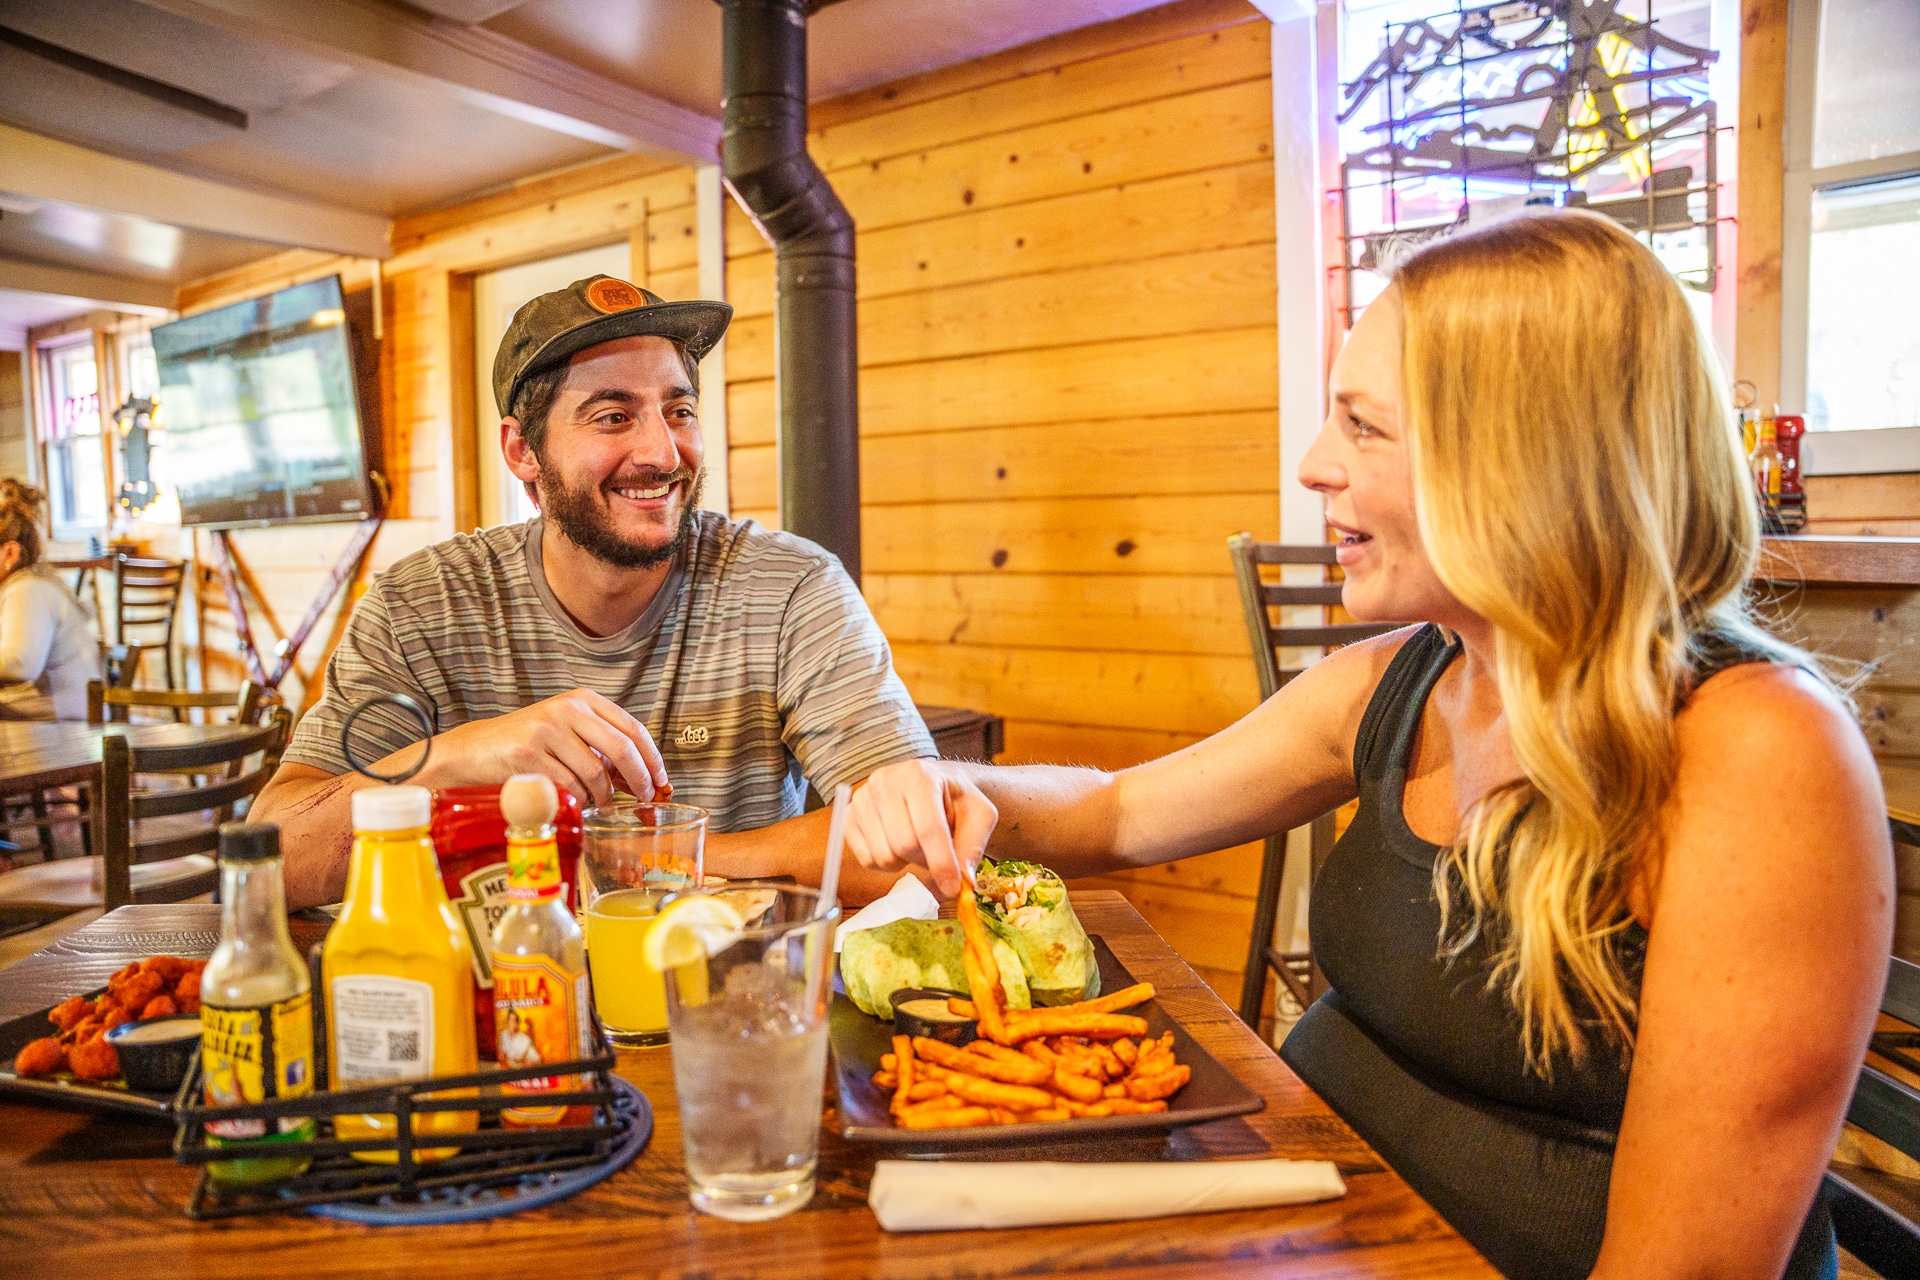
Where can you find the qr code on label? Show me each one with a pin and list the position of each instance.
(403, 1046)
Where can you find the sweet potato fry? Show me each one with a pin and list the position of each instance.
(1074, 1085)
(1131, 1107)
(983, 971)
(961, 1008)
(1126, 1050)
(944, 1101)
(992, 1093)
(887, 1062)
(947, 1118)
(1094, 1026)
(1003, 1116)
(927, 1091)
(1038, 1051)
(1164, 1085)
(903, 1072)
(886, 1080)
(988, 1049)
(1114, 1090)
(1110, 1064)
(1125, 998)
(1051, 1113)
(1024, 1071)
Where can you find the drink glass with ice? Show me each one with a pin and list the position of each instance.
(749, 1024)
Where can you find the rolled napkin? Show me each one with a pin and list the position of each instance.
(913, 1195)
(907, 900)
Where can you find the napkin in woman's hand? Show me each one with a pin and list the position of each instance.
(913, 1195)
(907, 900)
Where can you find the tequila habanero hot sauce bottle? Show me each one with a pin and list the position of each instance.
(540, 997)
(256, 1011)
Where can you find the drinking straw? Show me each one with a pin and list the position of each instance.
(836, 840)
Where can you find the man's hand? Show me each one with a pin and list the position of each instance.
(584, 742)
(922, 811)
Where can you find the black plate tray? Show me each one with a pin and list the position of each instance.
(858, 1041)
(65, 1090)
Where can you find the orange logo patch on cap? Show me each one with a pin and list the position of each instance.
(610, 295)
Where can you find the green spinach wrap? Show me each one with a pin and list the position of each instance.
(875, 963)
(1026, 905)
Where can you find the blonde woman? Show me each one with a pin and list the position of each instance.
(1608, 933)
(48, 652)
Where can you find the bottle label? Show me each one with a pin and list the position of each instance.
(483, 900)
(255, 1054)
(382, 1029)
(539, 1015)
(533, 869)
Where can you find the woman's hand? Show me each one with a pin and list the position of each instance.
(923, 811)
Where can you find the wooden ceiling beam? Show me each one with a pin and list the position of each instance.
(149, 296)
(479, 66)
(45, 168)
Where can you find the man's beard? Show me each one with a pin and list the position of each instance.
(582, 516)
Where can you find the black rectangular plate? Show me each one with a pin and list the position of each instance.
(858, 1041)
(65, 1091)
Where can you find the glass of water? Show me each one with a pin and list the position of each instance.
(749, 1028)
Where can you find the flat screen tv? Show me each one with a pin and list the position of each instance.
(261, 411)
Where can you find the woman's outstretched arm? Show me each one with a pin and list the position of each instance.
(1282, 765)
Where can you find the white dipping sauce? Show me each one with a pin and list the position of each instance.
(159, 1031)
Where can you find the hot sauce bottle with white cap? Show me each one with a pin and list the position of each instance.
(398, 969)
(540, 998)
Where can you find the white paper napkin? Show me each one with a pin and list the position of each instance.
(907, 900)
(914, 1195)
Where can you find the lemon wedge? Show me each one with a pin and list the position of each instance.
(689, 930)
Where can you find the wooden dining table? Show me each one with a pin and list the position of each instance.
(99, 1195)
(39, 754)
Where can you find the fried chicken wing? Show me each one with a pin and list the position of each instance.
(94, 1060)
(69, 1011)
(188, 986)
(168, 967)
(160, 1007)
(41, 1058)
(137, 990)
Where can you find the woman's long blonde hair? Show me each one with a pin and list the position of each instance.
(1578, 484)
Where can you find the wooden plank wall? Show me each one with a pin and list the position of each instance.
(1067, 397)
(426, 372)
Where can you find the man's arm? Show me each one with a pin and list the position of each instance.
(795, 848)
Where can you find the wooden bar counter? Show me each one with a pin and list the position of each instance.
(98, 1196)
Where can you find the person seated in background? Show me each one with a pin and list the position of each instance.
(1607, 936)
(621, 638)
(48, 651)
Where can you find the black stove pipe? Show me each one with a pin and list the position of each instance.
(765, 162)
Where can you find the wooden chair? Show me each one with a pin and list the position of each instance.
(155, 843)
(115, 706)
(147, 593)
(1876, 1216)
(120, 664)
(1295, 968)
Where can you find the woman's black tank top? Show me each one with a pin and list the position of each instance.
(1426, 1063)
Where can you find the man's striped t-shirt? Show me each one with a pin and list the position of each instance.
(757, 667)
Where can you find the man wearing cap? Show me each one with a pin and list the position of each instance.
(622, 638)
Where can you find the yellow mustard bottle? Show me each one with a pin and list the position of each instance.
(398, 970)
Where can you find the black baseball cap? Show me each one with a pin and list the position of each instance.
(554, 326)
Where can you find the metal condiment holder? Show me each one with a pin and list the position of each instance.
(491, 1155)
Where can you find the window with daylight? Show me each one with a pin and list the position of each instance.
(1850, 269)
(70, 429)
